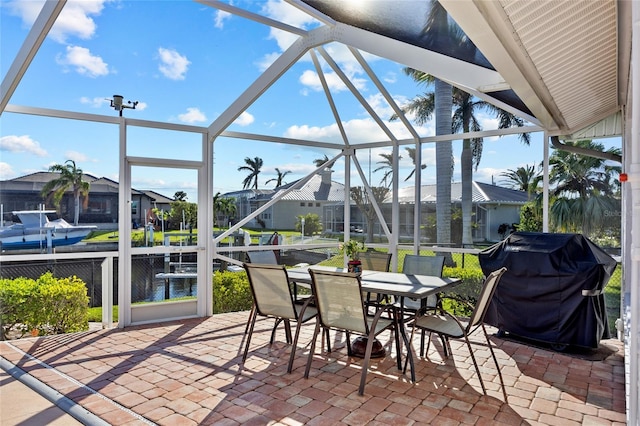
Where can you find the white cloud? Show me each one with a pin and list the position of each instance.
(267, 60)
(390, 77)
(13, 143)
(244, 119)
(75, 19)
(172, 64)
(311, 80)
(193, 115)
(76, 156)
(83, 61)
(142, 106)
(94, 102)
(357, 130)
(6, 171)
(284, 12)
(220, 17)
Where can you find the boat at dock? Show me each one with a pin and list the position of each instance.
(36, 231)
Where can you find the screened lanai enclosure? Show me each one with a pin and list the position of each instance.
(565, 69)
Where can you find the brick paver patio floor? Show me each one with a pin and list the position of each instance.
(189, 372)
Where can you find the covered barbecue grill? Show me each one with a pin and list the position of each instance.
(553, 290)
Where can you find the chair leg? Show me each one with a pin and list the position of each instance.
(325, 334)
(294, 346)
(475, 364)
(312, 349)
(349, 351)
(253, 309)
(446, 346)
(404, 370)
(495, 360)
(396, 327)
(273, 330)
(365, 363)
(287, 330)
(251, 323)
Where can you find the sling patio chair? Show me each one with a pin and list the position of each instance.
(375, 261)
(338, 297)
(422, 265)
(266, 257)
(272, 298)
(448, 325)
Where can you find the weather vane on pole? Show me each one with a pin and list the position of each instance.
(118, 104)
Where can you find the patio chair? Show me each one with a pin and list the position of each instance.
(448, 325)
(375, 261)
(266, 257)
(272, 298)
(422, 265)
(341, 307)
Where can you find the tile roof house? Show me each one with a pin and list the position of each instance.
(101, 206)
(311, 197)
(492, 206)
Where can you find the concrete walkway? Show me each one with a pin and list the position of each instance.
(22, 405)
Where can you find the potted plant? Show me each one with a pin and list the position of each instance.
(352, 249)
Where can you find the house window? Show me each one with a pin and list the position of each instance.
(134, 207)
(301, 204)
(309, 204)
(317, 204)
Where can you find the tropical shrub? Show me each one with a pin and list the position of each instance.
(464, 294)
(47, 305)
(312, 224)
(231, 292)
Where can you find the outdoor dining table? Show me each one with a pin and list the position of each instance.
(396, 284)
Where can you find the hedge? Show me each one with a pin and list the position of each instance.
(44, 306)
(231, 292)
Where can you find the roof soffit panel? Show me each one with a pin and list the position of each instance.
(562, 53)
(490, 32)
(574, 47)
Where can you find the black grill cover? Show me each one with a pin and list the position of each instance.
(553, 289)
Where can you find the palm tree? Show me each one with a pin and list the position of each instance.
(387, 166)
(412, 155)
(464, 120)
(584, 189)
(228, 207)
(180, 196)
(320, 161)
(253, 167)
(70, 177)
(437, 26)
(525, 179)
(280, 177)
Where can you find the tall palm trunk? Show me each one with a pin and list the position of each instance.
(444, 103)
(466, 164)
(76, 207)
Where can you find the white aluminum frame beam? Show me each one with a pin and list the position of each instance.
(45, 20)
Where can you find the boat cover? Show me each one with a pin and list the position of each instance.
(553, 289)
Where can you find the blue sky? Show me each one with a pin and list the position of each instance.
(185, 62)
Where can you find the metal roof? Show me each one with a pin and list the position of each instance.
(317, 188)
(482, 193)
